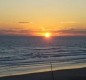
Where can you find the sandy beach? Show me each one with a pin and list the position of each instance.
(66, 74)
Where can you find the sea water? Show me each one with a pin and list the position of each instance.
(23, 54)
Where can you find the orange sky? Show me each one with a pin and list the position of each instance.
(36, 17)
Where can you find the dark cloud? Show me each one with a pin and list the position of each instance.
(73, 32)
(14, 32)
(22, 22)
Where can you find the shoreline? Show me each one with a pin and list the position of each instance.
(41, 69)
(65, 74)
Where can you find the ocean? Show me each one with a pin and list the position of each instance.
(23, 54)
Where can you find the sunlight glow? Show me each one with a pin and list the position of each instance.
(47, 34)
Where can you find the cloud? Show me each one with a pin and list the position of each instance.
(73, 32)
(68, 22)
(23, 22)
(14, 32)
(68, 32)
(17, 32)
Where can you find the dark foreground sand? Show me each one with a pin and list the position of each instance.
(68, 74)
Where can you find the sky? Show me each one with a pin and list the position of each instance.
(35, 17)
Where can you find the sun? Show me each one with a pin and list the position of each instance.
(47, 35)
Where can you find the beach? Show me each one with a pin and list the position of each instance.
(66, 74)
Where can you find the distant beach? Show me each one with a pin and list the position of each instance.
(66, 74)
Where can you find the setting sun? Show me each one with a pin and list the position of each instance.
(47, 34)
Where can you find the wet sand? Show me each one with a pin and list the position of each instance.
(66, 74)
